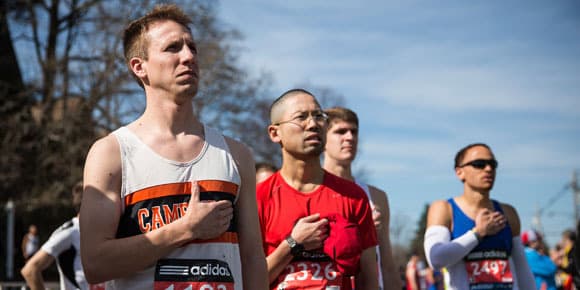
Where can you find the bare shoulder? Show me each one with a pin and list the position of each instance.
(103, 167)
(105, 151)
(241, 153)
(439, 214)
(513, 218)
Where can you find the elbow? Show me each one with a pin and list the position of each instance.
(28, 271)
(434, 261)
(92, 274)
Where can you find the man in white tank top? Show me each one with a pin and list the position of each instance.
(168, 202)
(340, 152)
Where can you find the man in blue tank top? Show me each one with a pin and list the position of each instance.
(473, 236)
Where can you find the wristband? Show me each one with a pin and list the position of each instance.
(295, 248)
(477, 236)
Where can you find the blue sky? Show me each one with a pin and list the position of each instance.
(428, 77)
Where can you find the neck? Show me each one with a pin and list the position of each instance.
(302, 175)
(166, 115)
(477, 198)
(340, 169)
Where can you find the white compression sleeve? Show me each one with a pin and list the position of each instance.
(441, 251)
(524, 275)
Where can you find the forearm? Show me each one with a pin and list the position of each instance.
(390, 275)
(523, 273)
(251, 251)
(114, 258)
(441, 251)
(391, 278)
(367, 278)
(33, 279)
(278, 260)
(32, 270)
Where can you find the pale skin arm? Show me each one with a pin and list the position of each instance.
(23, 246)
(32, 271)
(310, 231)
(410, 273)
(252, 255)
(367, 278)
(391, 279)
(104, 256)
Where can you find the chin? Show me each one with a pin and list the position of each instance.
(314, 151)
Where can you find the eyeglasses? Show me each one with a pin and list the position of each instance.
(481, 163)
(320, 117)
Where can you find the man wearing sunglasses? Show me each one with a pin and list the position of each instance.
(311, 220)
(475, 237)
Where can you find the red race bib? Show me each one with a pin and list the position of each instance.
(310, 275)
(489, 270)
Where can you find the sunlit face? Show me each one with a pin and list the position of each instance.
(479, 179)
(301, 138)
(171, 64)
(341, 141)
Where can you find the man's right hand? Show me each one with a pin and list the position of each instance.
(489, 222)
(310, 231)
(207, 219)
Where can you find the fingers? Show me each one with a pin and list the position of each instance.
(194, 193)
(310, 218)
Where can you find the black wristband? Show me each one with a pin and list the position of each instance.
(295, 248)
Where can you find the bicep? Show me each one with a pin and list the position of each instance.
(246, 208)
(513, 218)
(101, 202)
(439, 214)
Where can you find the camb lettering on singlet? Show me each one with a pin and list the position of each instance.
(489, 269)
(193, 274)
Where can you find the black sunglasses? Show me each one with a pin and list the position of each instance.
(481, 163)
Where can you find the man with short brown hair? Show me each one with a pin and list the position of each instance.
(340, 151)
(169, 201)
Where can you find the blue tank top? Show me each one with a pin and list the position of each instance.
(487, 265)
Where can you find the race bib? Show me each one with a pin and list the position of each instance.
(179, 274)
(310, 275)
(489, 270)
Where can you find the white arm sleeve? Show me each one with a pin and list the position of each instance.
(524, 276)
(441, 251)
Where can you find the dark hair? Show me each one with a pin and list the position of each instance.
(461, 153)
(134, 41)
(286, 94)
(569, 234)
(341, 114)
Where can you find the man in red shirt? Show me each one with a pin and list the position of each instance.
(317, 228)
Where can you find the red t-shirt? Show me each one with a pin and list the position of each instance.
(280, 206)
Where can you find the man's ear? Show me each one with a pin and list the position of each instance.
(138, 67)
(460, 173)
(273, 132)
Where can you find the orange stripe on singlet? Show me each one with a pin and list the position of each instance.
(181, 188)
(227, 237)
